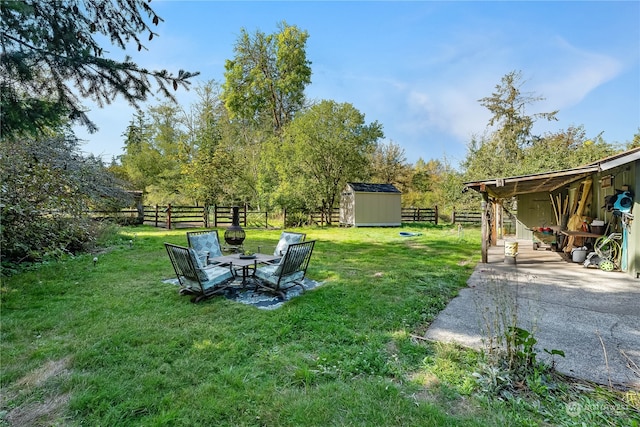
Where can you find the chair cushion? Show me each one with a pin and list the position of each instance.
(215, 276)
(269, 274)
(199, 265)
(203, 243)
(285, 240)
(210, 277)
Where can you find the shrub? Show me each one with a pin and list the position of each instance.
(47, 186)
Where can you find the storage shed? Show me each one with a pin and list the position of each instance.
(605, 191)
(370, 205)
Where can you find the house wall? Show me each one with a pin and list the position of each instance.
(534, 210)
(377, 209)
(634, 235)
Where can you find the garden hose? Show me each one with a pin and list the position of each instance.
(608, 249)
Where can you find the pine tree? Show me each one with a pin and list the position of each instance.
(51, 59)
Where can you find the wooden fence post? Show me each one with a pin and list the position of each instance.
(453, 216)
(140, 208)
(205, 215)
(484, 231)
(245, 215)
(436, 213)
(168, 216)
(156, 219)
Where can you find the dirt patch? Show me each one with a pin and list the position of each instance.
(39, 376)
(44, 413)
(41, 410)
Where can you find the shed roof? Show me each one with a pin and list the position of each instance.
(503, 188)
(373, 188)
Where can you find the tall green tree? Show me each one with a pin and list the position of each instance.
(51, 58)
(140, 161)
(323, 149)
(424, 177)
(564, 149)
(501, 152)
(212, 175)
(389, 165)
(265, 81)
(156, 152)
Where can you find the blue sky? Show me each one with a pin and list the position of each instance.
(418, 67)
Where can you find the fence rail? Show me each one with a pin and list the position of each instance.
(420, 215)
(221, 216)
(319, 218)
(466, 217)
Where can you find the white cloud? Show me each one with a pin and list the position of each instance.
(574, 75)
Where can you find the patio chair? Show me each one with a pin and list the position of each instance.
(206, 244)
(195, 279)
(289, 272)
(286, 238)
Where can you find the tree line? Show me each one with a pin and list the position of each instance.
(254, 138)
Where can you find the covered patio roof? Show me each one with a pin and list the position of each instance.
(504, 188)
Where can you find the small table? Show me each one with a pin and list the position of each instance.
(243, 262)
(581, 234)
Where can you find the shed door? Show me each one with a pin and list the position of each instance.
(347, 208)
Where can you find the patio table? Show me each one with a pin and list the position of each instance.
(239, 260)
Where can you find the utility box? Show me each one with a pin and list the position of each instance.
(370, 205)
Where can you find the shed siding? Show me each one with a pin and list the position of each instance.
(534, 210)
(377, 209)
(634, 235)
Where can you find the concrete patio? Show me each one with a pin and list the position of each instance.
(591, 315)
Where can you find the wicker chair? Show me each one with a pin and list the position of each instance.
(195, 279)
(289, 272)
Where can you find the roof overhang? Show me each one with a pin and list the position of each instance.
(504, 188)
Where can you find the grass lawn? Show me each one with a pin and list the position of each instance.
(110, 344)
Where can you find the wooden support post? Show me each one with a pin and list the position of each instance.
(499, 220)
(494, 224)
(169, 216)
(436, 213)
(157, 214)
(484, 231)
